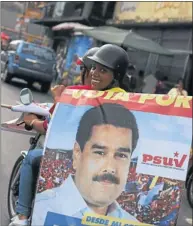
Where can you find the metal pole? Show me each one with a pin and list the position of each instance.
(188, 56)
(23, 14)
(20, 29)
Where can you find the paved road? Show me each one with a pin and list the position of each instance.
(12, 144)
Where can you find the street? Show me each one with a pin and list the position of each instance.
(13, 143)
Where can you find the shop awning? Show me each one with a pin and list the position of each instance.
(181, 52)
(126, 38)
(69, 26)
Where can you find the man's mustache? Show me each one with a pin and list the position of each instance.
(106, 177)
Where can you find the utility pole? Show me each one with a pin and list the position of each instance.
(23, 15)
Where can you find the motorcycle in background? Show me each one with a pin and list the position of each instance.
(36, 140)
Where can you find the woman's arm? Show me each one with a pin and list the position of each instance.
(33, 121)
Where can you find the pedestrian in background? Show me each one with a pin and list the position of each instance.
(161, 86)
(178, 90)
(140, 82)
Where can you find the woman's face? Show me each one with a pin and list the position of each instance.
(101, 77)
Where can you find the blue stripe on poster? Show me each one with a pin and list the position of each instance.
(55, 219)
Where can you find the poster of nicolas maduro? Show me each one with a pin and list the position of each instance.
(114, 159)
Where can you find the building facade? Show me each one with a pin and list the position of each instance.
(66, 44)
(86, 13)
(15, 20)
(169, 24)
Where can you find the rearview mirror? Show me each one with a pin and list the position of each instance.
(26, 96)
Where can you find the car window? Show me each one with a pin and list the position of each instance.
(13, 46)
(40, 53)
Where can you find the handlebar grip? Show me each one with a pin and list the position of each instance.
(28, 128)
(20, 123)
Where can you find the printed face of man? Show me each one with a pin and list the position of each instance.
(102, 167)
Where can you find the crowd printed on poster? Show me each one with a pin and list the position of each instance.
(96, 149)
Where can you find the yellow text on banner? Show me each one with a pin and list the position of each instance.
(98, 220)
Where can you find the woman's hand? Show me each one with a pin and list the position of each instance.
(29, 118)
(57, 91)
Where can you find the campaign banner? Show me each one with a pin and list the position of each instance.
(77, 48)
(116, 159)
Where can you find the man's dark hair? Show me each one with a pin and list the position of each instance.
(180, 80)
(141, 73)
(165, 78)
(108, 114)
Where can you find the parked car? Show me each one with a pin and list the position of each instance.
(30, 62)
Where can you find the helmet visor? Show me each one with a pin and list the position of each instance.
(100, 61)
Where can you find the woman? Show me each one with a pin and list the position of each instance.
(178, 90)
(109, 65)
(86, 65)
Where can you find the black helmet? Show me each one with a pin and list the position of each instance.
(84, 60)
(113, 57)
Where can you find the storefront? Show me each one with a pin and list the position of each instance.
(169, 24)
(69, 45)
